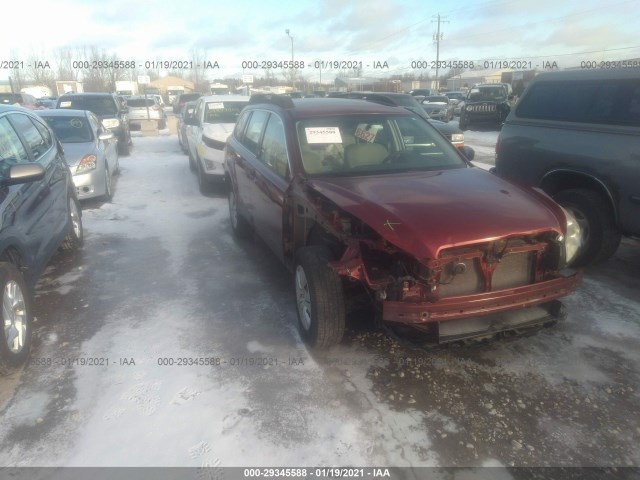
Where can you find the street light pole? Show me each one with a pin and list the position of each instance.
(293, 71)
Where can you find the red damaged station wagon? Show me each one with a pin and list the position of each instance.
(352, 194)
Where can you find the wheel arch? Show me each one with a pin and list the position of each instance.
(555, 181)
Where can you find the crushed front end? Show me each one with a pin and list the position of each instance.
(468, 291)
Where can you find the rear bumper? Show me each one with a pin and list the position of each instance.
(454, 308)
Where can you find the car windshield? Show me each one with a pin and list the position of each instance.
(141, 102)
(437, 99)
(97, 105)
(70, 129)
(487, 93)
(455, 95)
(372, 144)
(188, 97)
(223, 112)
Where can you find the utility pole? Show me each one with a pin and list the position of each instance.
(293, 71)
(436, 38)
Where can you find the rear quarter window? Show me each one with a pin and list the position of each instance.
(615, 102)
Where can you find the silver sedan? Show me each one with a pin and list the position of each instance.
(89, 149)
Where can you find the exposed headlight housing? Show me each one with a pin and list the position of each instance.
(87, 163)
(573, 238)
(457, 137)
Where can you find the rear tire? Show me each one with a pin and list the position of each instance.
(595, 216)
(463, 124)
(16, 325)
(319, 297)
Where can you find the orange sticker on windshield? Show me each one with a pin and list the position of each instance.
(364, 135)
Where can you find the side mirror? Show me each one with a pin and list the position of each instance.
(468, 152)
(511, 97)
(108, 135)
(24, 173)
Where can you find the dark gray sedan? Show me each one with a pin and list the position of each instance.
(90, 150)
(438, 107)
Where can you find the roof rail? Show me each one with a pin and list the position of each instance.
(283, 101)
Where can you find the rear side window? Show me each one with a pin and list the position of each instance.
(11, 149)
(35, 140)
(614, 102)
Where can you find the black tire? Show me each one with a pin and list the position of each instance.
(320, 298)
(75, 236)
(203, 183)
(192, 164)
(116, 171)
(107, 185)
(124, 146)
(162, 124)
(14, 351)
(463, 124)
(239, 225)
(595, 216)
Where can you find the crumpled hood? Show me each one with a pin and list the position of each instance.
(218, 131)
(425, 212)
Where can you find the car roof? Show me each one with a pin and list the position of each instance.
(13, 108)
(315, 107)
(588, 74)
(140, 97)
(62, 112)
(225, 98)
(87, 94)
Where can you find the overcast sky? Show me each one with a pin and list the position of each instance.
(392, 31)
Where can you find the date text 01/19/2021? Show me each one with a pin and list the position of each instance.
(320, 472)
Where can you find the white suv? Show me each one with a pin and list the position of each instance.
(213, 121)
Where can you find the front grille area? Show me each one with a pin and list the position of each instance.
(455, 284)
(462, 270)
(481, 108)
(513, 270)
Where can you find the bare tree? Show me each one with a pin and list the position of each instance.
(39, 72)
(64, 59)
(17, 74)
(198, 74)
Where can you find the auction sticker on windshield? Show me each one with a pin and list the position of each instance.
(364, 135)
(323, 135)
(215, 106)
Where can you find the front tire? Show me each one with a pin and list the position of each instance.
(124, 146)
(75, 237)
(107, 185)
(600, 236)
(15, 331)
(203, 184)
(319, 297)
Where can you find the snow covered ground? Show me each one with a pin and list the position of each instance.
(200, 363)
